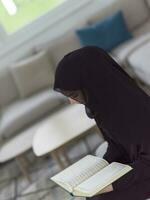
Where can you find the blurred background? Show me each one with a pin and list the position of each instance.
(40, 132)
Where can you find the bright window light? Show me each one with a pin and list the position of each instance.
(15, 14)
(10, 6)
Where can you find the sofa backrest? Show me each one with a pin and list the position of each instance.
(8, 90)
(136, 12)
(62, 44)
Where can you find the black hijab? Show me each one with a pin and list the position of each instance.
(117, 104)
(112, 95)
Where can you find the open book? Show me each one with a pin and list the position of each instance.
(90, 175)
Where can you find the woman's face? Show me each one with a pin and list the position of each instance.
(75, 96)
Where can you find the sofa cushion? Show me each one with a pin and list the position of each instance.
(141, 35)
(135, 12)
(144, 29)
(24, 112)
(98, 34)
(60, 46)
(8, 90)
(148, 3)
(139, 60)
(33, 74)
(63, 45)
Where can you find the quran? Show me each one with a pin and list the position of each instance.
(90, 175)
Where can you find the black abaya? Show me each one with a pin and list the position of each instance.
(121, 110)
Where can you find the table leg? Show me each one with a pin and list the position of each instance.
(87, 145)
(66, 157)
(21, 164)
(57, 158)
(96, 130)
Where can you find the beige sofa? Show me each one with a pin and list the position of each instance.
(26, 93)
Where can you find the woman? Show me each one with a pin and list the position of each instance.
(121, 111)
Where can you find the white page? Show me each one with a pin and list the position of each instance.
(103, 178)
(81, 170)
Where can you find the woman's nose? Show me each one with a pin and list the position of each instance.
(72, 101)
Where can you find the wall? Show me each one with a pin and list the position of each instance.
(46, 28)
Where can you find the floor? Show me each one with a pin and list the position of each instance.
(13, 186)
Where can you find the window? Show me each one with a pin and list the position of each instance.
(14, 14)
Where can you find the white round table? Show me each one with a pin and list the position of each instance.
(65, 126)
(14, 149)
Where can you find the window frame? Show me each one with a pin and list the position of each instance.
(36, 27)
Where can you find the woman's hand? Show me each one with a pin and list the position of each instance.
(109, 188)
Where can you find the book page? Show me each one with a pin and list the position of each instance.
(80, 171)
(101, 179)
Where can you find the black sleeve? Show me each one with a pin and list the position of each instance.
(114, 152)
(141, 166)
(139, 173)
